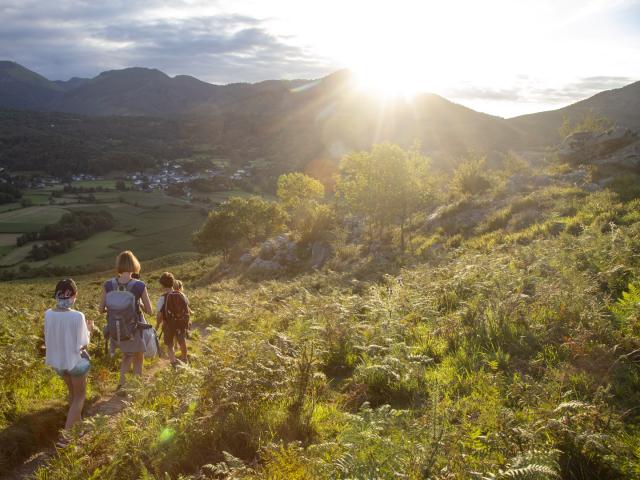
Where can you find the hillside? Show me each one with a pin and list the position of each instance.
(287, 124)
(493, 334)
(621, 106)
(481, 359)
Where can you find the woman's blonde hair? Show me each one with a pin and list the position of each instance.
(127, 262)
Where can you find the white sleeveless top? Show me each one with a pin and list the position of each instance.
(65, 333)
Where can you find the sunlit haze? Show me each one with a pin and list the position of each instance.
(501, 57)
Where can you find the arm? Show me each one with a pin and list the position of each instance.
(83, 333)
(146, 302)
(90, 324)
(103, 303)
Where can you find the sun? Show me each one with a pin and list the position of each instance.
(389, 80)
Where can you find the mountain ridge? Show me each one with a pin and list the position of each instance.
(299, 121)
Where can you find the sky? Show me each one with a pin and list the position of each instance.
(503, 57)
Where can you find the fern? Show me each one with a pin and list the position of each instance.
(532, 465)
(627, 309)
(530, 472)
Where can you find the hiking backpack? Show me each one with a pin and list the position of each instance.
(176, 311)
(122, 312)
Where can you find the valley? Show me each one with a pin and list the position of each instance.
(380, 289)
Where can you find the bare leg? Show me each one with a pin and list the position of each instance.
(183, 349)
(79, 385)
(67, 380)
(171, 353)
(124, 367)
(138, 361)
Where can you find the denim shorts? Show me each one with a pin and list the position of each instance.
(81, 368)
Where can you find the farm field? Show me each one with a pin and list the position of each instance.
(16, 255)
(5, 207)
(8, 239)
(29, 219)
(98, 250)
(152, 223)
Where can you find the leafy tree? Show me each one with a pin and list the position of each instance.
(385, 186)
(296, 188)
(239, 220)
(121, 186)
(470, 177)
(301, 195)
(591, 122)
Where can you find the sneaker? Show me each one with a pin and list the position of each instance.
(63, 441)
(120, 390)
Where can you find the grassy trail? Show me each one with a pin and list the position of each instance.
(110, 405)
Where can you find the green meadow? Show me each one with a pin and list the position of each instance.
(151, 223)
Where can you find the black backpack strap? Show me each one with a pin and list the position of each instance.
(164, 304)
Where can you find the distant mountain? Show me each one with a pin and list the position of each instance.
(620, 105)
(289, 123)
(21, 88)
(301, 118)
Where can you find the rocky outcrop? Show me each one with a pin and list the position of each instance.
(275, 254)
(262, 267)
(320, 253)
(626, 158)
(587, 147)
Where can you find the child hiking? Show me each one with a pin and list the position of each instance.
(66, 336)
(173, 317)
(124, 300)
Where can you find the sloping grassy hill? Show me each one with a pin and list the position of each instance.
(506, 350)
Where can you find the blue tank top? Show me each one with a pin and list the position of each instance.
(136, 287)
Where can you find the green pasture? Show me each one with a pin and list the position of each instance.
(8, 239)
(107, 183)
(97, 250)
(152, 224)
(149, 231)
(16, 255)
(37, 197)
(5, 207)
(30, 219)
(219, 197)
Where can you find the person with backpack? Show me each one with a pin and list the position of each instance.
(173, 316)
(125, 299)
(66, 336)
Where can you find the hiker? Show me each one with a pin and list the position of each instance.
(178, 287)
(124, 299)
(173, 316)
(66, 337)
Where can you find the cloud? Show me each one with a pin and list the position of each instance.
(527, 90)
(485, 93)
(76, 38)
(580, 89)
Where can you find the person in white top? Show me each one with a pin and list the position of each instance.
(66, 336)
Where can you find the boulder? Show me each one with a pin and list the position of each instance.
(273, 247)
(320, 252)
(262, 267)
(583, 147)
(627, 157)
(246, 258)
(521, 182)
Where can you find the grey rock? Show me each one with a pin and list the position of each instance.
(583, 147)
(246, 258)
(320, 252)
(520, 182)
(627, 157)
(260, 266)
(274, 246)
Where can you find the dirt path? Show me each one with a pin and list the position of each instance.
(110, 406)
